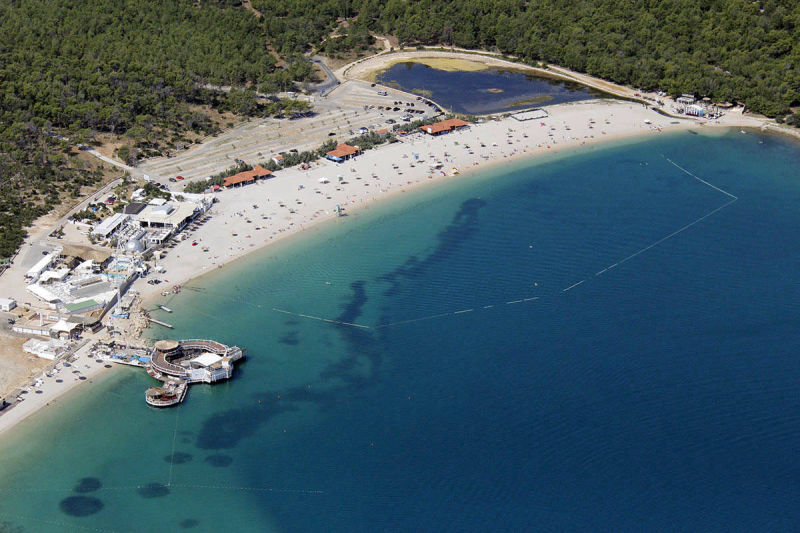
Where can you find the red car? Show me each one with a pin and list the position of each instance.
(194, 243)
(178, 177)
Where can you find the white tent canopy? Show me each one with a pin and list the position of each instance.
(207, 359)
(62, 326)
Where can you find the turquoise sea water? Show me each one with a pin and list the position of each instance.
(659, 395)
(493, 90)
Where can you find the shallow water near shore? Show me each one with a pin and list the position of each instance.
(490, 90)
(503, 357)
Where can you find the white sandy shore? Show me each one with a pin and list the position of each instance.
(252, 217)
(376, 174)
(62, 381)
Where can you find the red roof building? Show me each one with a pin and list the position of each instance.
(343, 152)
(246, 177)
(444, 126)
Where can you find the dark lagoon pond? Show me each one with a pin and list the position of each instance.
(492, 90)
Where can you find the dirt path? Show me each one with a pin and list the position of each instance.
(17, 367)
(248, 6)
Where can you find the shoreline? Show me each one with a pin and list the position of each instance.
(442, 148)
(52, 391)
(379, 174)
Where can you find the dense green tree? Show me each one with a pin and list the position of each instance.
(145, 69)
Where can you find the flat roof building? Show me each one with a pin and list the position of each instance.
(7, 304)
(40, 266)
(168, 215)
(85, 253)
(84, 306)
(109, 225)
(134, 208)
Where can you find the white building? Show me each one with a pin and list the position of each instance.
(45, 349)
(168, 215)
(44, 293)
(7, 304)
(42, 265)
(109, 225)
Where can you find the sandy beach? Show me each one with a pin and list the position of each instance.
(61, 380)
(249, 218)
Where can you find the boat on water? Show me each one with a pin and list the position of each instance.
(165, 308)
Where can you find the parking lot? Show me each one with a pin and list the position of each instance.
(352, 105)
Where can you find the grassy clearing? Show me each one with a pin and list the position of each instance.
(530, 101)
(448, 64)
(423, 92)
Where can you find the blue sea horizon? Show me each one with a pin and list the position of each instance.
(603, 340)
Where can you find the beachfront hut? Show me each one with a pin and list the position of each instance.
(246, 177)
(343, 152)
(695, 111)
(444, 126)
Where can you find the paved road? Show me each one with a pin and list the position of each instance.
(330, 82)
(113, 162)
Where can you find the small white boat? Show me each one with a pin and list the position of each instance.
(165, 308)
